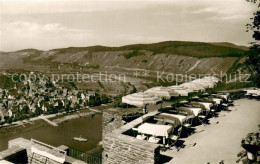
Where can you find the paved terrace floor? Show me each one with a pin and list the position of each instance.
(221, 139)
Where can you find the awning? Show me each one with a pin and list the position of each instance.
(195, 111)
(217, 101)
(180, 118)
(206, 105)
(155, 130)
(224, 96)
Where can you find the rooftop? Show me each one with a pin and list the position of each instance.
(30, 146)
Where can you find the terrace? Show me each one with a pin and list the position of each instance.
(159, 130)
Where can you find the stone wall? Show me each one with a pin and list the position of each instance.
(121, 148)
(126, 149)
(112, 119)
(110, 122)
(27, 144)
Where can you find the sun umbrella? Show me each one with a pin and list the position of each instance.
(141, 99)
(193, 86)
(163, 92)
(212, 78)
(205, 83)
(183, 91)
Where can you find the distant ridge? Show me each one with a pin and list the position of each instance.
(177, 47)
(169, 56)
(184, 48)
(29, 50)
(227, 44)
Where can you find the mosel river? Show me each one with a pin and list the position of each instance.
(89, 127)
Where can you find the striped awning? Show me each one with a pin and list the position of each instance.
(163, 92)
(141, 99)
(155, 130)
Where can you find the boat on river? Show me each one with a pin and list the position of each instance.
(80, 139)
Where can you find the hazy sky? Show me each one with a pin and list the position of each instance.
(48, 24)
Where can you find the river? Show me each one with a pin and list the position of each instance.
(89, 127)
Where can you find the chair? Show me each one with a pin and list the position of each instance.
(141, 137)
(174, 137)
(153, 139)
(159, 122)
(187, 125)
(225, 105)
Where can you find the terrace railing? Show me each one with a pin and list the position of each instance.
(86, 157)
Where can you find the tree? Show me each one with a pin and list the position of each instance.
(9, 120)
(60, 104)
(79, 95)
(251, 144)
(134, 90)
(94, 100)
(77, 106)
(67, 106)
(255, 25)
(38, 111)
(25, 110)
(97, 100)
(80, 101)
(253, 60)
(104, 99)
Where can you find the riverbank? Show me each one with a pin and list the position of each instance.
(57, 117)
(72, 124)
(36, 122)
(221, 140)
(66, 117)
(89, 127)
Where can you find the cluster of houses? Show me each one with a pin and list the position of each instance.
(33, 98)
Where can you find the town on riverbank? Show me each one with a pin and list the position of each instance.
(34, 99)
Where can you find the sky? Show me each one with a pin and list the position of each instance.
(49, 24)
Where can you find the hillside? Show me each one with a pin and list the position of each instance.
(170, 56)
(193, 49)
